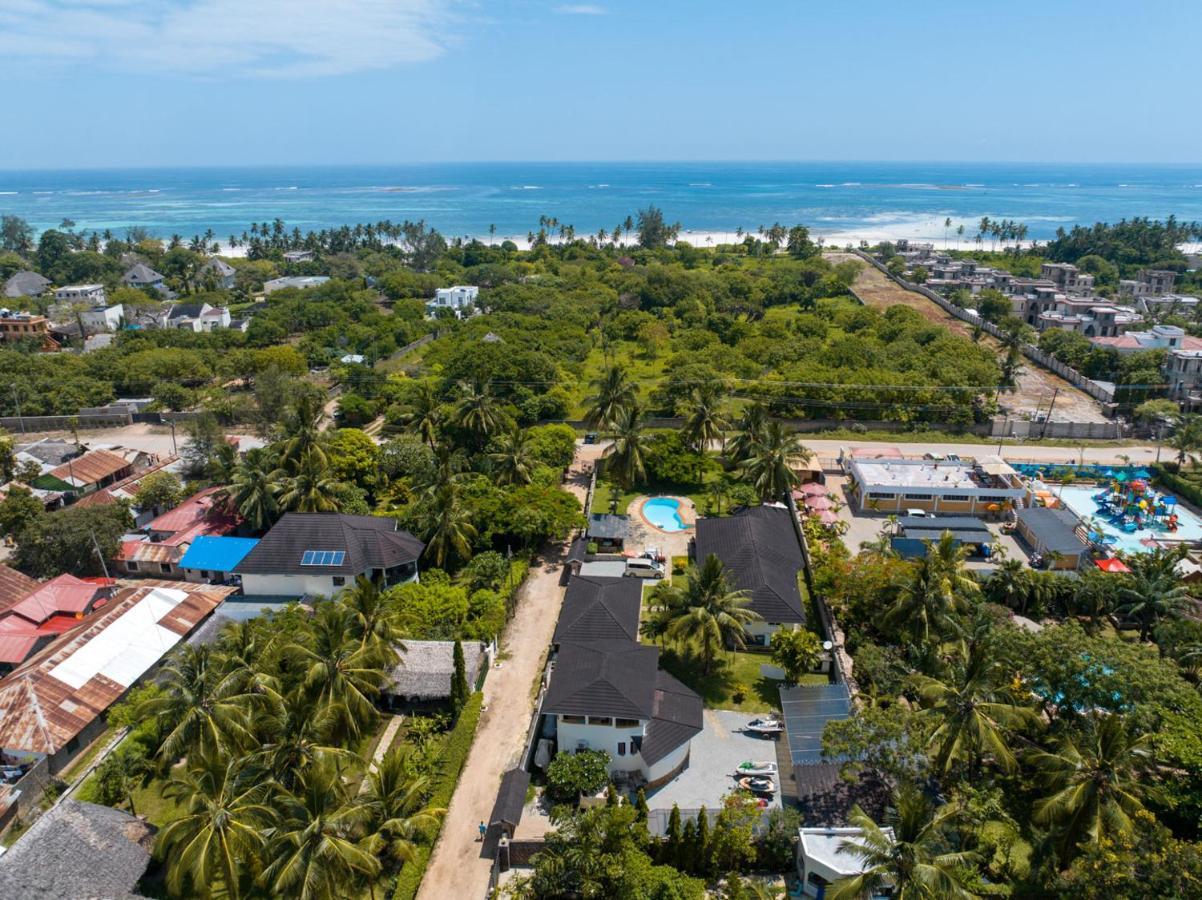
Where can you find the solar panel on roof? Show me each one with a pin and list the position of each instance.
(323, 557)
(806, 710)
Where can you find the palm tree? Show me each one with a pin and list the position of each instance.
(770, 467)
(252, 492)
(477, 412)
(340, 671)
(929, 601)
(296, 734)
(750, 432)
(627, 455)
(197, 710)
(513, 461)
(615, 392)
(448, 529)
(302, 430)
(1153, 590)
(971, 711)
(912, 856)
(423, 413)
(1094, 783)
(314, 849)
(706, 612)
(306, 484)
(373, 621)
(219, 835)
(1095, 597)
(1010, 586)
(704, 422)
(396, 799)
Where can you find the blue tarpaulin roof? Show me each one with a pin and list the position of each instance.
(219, 554)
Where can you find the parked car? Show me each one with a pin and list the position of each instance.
(641, 567)
(590, 437)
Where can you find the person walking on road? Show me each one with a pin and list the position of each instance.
(483, 830)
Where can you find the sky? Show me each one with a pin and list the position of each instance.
(140, 83)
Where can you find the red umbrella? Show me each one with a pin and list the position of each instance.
(814, 489)
(819, 503)
(1111, 565)
(826, 517)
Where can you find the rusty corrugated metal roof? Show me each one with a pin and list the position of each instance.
(40, 713)
(14, 586)
(93, 466)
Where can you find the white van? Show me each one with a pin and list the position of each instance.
(641, 567)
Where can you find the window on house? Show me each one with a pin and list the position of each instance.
(600, 720)
(919, 496)
(132, 566)
(626, 723)
(165, 568)
(339, 581)
(572, 720)
(621, 748)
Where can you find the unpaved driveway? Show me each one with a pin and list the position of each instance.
(1036, 386)
(458, 869)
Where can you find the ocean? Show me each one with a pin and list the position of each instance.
(842, 201)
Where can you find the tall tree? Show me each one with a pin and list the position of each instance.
(253, 494)
(477, 411)
(395, 797)
(306, 484)
(513, 459)
(627, 455)
(615, 393)
(706, 612)
(705, 421)
(934, 594)
(448, 531)
(770, 468)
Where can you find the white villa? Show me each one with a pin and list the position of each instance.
(950, 487)
(457, 298)
(821, 859)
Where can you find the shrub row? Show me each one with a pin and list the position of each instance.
(1178, 485)
(454, 756)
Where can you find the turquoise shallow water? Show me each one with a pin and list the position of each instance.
(879, 199)
(663, 513)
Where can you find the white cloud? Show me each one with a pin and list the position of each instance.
(581, 9)
(277, 38)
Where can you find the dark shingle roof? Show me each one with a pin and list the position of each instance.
(759, 549)
(608, 527)
(511, 799)
(599, 609)
(78, 850)
(604, 678)
(26, 284)
(220, 266)
(186, 311)
(140, 273)
(370, 542)
(677, 719)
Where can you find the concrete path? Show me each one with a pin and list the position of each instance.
(382, 747)
(459, 868)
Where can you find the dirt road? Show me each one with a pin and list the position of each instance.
(1036, 386)
(458, 867)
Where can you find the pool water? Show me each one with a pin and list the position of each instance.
(1081, 501)
(664, 514)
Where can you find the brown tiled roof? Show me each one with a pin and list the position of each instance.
(93, 466)
(14, 586)
(40, 714)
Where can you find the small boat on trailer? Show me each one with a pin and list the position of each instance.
(761, 767)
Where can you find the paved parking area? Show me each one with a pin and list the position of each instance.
(713, 757)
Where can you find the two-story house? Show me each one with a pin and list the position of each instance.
(217, 273)
(760, 552)
(319, 554)
(144, 278)
(458, 299)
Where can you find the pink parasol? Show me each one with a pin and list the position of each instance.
(814, 489)
(826, 517)
(815, 503)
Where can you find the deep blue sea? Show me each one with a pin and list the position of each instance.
(840, 200)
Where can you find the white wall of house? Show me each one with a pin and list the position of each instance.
(293, 585)
(760, 633)
(92, 293)
(609, 738)
(107, 319)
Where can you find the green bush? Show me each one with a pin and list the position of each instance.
(1167, 478)
(572, 774)
(454, 755)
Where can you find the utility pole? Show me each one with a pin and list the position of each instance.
(174, 452)
(103, 564)
(1048, 420)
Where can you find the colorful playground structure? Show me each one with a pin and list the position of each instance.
(1133, 505)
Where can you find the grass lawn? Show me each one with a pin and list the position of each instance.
(150, 802)
(81, 762)
(730, 672)
(631, 356)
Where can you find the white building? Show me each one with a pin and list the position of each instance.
(319, 554)
(198, 317)
(301, 282)
(891, 485)
(822, 859)
(457, 298)
(102, 318)
(82, 293)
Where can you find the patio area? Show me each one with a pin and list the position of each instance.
(713, 758)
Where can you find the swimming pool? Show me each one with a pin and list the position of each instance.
(1081, 501)
(664, 514)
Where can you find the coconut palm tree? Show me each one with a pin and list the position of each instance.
(1093, 782)
(913, 856)
(615, 392)
(252, 493)
(972, 711)
(373, 621)
(750, 432)
(513, 460)
(396, 799)
(448, 530)
(306, 484)
(1095, 597)
(1153, 590)
(477, 411)
(296, 734)
(340, 671)
(705, 422)
(423, 412)
(218, 837)
(935, 593)
(302, 430)
(627, 455)
(1010, 585)
(314, 848)
(197, 710)
(770, 466)
(707, 613)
